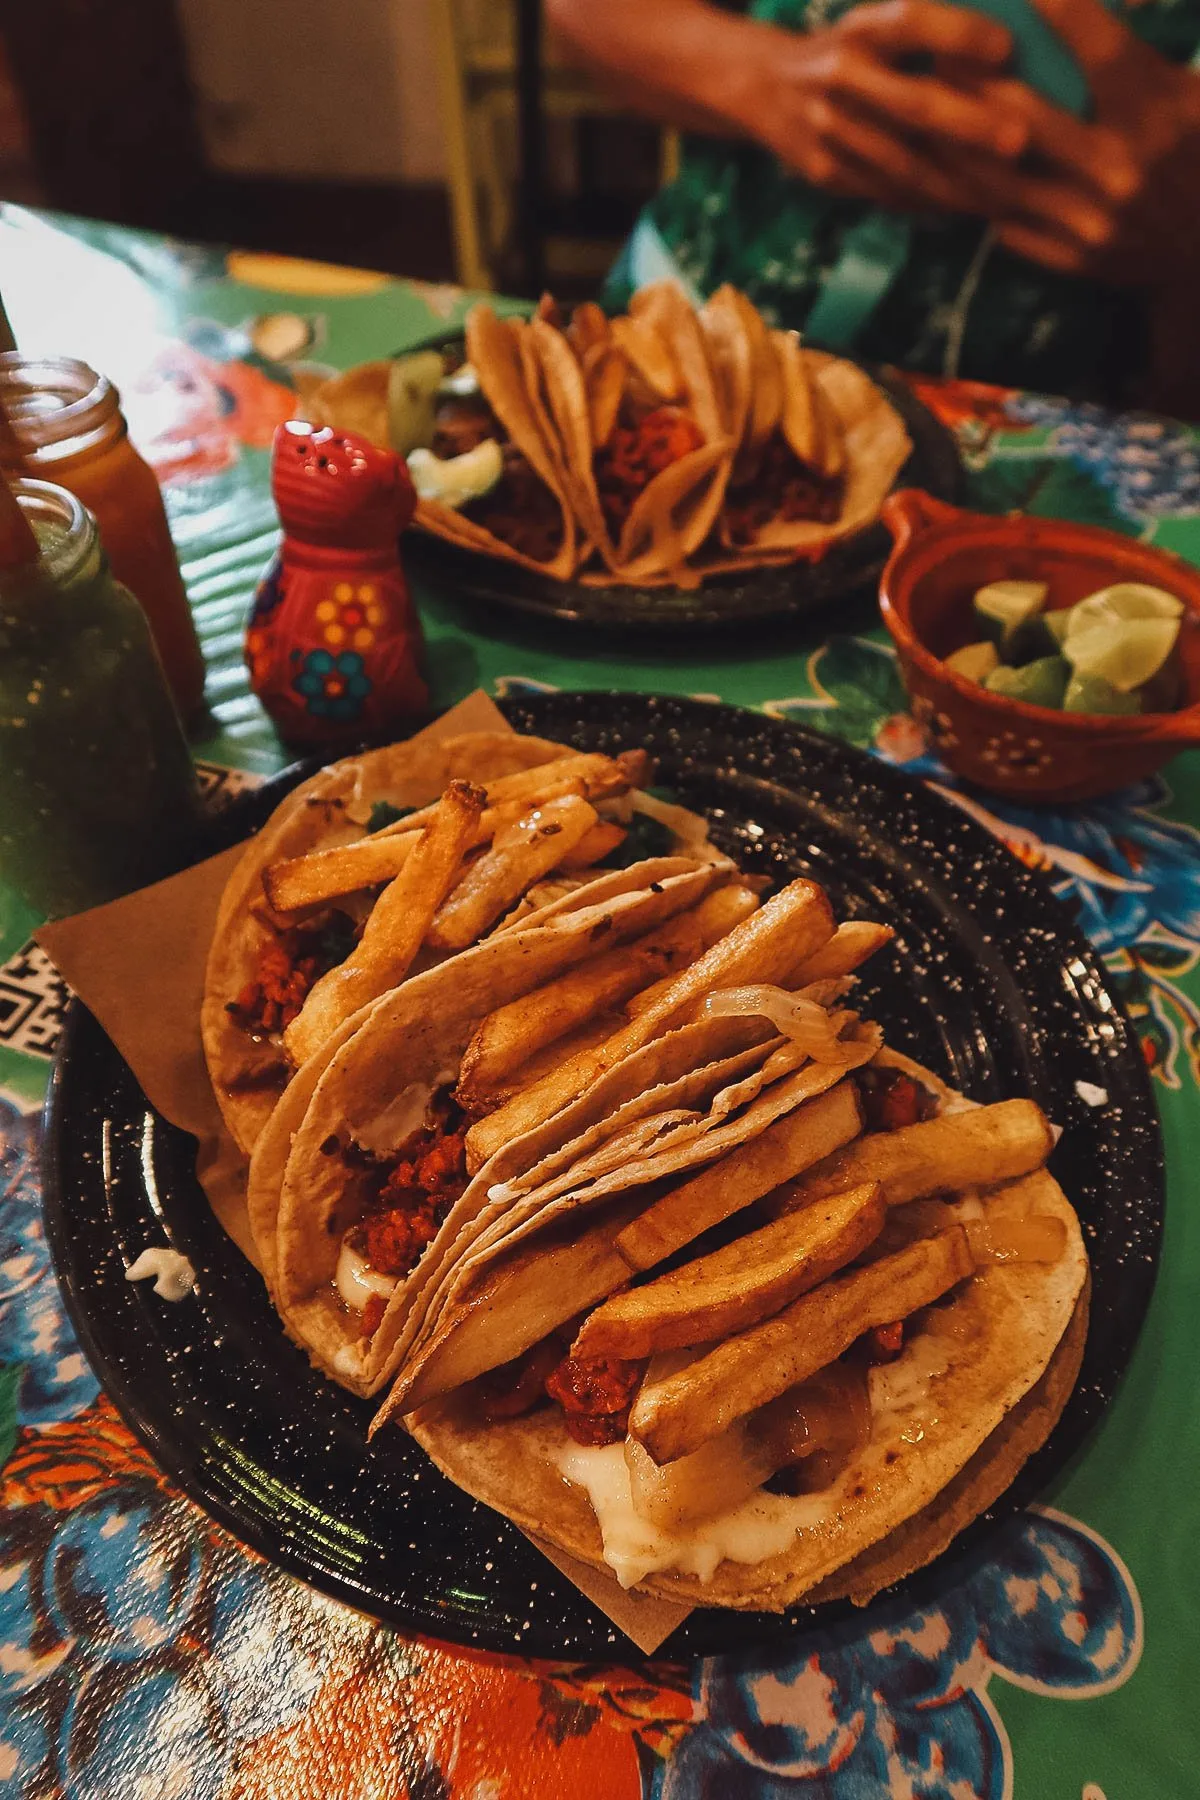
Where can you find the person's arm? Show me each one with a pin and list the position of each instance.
(1114, 197)
(665, 58)
(833, 105)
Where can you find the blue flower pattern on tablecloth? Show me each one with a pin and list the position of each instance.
(901, 1706)
(52, 1378)
(138, 1648)
(1150, 466)
(1131, 876)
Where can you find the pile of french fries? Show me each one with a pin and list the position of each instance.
(836, 1231)
(668, 1165)
(446, 874)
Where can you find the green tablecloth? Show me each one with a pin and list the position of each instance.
(143, 1653)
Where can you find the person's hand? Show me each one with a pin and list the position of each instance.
(836, 107)
(1113, 198)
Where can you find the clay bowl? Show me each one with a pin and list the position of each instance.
(939, 557)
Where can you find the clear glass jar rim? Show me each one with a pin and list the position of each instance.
(89, 400)
(43, 503)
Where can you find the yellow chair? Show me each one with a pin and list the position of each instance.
(511, 108)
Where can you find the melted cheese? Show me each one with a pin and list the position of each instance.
(173, 1274)
(904, 1387)
(762, 1526)
(406, 1114)
(357, 1281)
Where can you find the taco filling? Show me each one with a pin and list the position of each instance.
(770, 484)
(644, 441)
(406, 1196)
(517, 506)
(288, 964)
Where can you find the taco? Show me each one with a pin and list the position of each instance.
(522, 513)
(379, 866)
(739, 1340)
(340, 1181)
(820, 447)
(361, 1181)
(475, 439)
(642, 449)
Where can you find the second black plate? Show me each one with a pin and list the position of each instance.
(987, 982)
(848, 567)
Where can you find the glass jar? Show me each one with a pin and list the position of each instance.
(97, 790)
(67, 427)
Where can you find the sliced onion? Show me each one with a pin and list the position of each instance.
(688, 829)
(1039, 1237)
(816, 1031)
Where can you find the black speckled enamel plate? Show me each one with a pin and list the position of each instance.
(850, 566)
(988, 983)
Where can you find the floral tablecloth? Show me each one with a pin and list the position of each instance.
(144, 1655)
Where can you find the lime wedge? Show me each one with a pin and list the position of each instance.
(1125, 652)
(412, 399)
(1040, 683)
(1003, 605)
(974, 662)
(1092, 694)
(1126, 600)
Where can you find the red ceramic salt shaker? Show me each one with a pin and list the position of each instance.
(334, 642)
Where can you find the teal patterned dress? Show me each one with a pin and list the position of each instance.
(962, 305)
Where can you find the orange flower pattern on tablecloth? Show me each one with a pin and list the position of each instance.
(69, 1462)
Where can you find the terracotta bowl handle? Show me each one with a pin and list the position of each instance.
(1182, 730)
(911, 512)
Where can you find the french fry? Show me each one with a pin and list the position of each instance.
(517, 859)
(593, 847)
(508, 1038)
(325, 875)
(637, 1004)
(593, 1033)
(792, 925)
(302, 882)
(827, 1413)
(733, 1288)
(397, 925)
(602, 777)
(848, 948)
(673, 1417)
(796, 1141)
(982, 1146)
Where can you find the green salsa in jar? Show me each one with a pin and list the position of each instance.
(97, 788)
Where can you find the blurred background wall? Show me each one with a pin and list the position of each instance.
(369, 131)
(274, 81)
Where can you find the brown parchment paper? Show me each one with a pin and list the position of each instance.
(138, 965)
